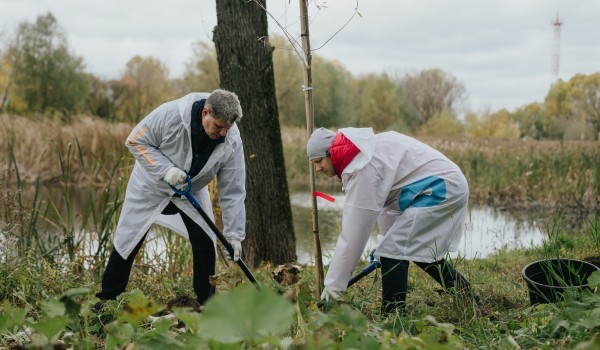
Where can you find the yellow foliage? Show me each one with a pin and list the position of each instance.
(498, 124)
(442, 124)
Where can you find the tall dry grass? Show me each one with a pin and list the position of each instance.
(563, 173)
(498, 171)
(40, 147)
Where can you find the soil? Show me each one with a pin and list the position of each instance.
(287, 274)
(181, 301)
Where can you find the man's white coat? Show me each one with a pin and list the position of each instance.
(162, 140)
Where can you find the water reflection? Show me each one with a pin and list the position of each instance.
(486, 231)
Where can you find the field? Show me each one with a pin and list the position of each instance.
(50, 270)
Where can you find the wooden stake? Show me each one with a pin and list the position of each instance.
(308, 103)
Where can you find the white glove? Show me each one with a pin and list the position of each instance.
(175, 176)
(237, 249)
(331, 295)
(375, 257)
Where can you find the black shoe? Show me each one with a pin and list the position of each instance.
(99, 306)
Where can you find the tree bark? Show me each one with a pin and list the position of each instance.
(246, 68)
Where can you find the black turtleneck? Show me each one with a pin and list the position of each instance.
(202, 145)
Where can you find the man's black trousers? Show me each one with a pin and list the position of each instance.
(116, 275)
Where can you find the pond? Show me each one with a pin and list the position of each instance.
(487, 230)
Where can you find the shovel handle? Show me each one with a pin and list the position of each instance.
(374, 264)
(187, 192)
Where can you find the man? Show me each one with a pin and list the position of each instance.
(416, 195)
(194, 136)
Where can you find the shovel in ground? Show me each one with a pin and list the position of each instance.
(187, 192)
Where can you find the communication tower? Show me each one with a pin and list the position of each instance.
(557, 23)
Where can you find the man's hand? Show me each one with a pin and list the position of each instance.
(237, 249)
(175, 176)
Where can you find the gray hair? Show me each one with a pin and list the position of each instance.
(224, 105)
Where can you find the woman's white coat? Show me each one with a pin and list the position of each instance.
(373, 181)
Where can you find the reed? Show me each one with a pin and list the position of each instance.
(69, 179)
(46, 220)
(39, 144)
(500, 172)
(564, 173)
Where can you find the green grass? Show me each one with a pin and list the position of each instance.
(434, 319)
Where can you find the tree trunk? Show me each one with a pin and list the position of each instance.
(246, 68)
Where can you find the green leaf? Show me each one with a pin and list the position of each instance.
(158, 337)
(51, 327)
(76, 292)
(349, 318)
(12, 316)
(72, 306)
(359, 341)
(594, 280)
(138, 308)
(559, 324)
(245, 313)
(191, 319)
(119, 335)
(52, 308)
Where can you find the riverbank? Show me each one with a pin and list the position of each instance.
(63, 295)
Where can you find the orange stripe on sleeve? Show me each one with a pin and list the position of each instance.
(143, 151)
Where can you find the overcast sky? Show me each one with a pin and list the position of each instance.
(501, 50)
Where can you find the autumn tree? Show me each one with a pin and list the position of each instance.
(497, 124)
(443, 124)
(332, 93)
(246, 67)
(5, 81)
(532, 121)
(145, 84)
(431, 92)
(288, 82)
(103, 97)
(202, 70)
(380, 103)
(576, 102)
(45, 75)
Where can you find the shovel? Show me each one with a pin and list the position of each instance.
(374, 264)
(190, 197)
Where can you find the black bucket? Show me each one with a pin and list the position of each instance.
(549, 280)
